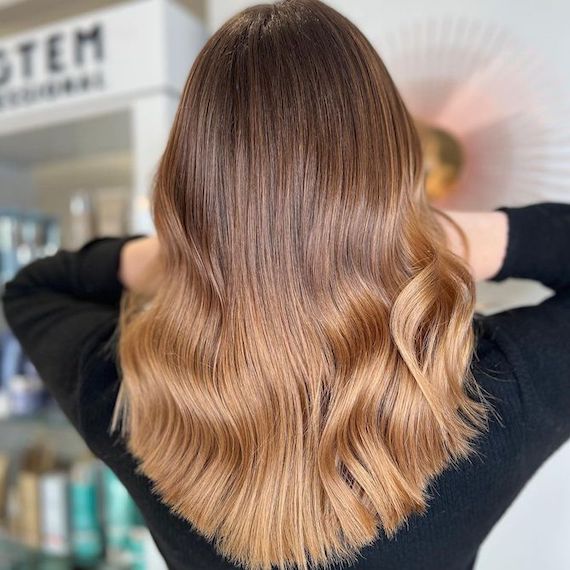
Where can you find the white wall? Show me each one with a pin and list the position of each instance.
(218, 11)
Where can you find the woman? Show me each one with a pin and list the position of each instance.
(291, 373)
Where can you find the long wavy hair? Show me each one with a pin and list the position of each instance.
(303, 370)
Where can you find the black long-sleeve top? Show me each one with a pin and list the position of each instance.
(64, 311)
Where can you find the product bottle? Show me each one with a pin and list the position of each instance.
(86, 532)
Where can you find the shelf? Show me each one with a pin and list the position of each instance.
(15, 556)
(51, 428)
(48, 418)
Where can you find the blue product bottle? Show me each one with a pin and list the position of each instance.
(86, 532)
(120, 516)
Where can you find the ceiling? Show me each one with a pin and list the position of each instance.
(19, 15)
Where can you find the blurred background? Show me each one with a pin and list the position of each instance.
(88, 90)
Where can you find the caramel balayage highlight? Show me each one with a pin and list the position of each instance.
(304, 368)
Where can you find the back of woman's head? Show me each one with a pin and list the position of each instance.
(303, 370)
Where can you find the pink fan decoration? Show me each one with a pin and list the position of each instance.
(494, 122)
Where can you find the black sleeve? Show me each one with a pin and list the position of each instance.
(61, 308)
(537, 338)
(538, 246)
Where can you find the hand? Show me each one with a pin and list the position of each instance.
(487, 237)
(139, 269)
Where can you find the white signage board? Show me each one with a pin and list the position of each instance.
(122, 52)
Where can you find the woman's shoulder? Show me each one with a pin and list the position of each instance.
(497, 379)
(518, 365)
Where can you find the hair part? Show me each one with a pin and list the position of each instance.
(304, 370)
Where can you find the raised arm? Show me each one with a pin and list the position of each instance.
(61, 308)
(536, 339)
(538, 244)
